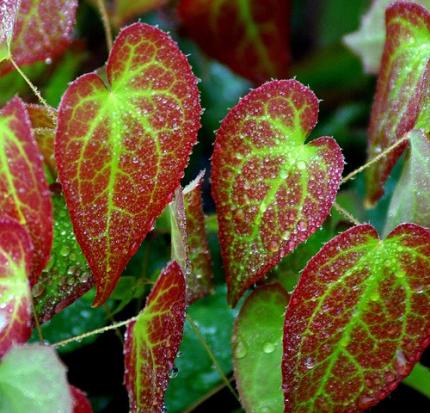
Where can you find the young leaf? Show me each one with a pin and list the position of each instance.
(8, 13)
(43, 125)
(358, 320)
(33, 379)
(257, 349)
(122, 146)
(368, 41)
(250, 37)
(199, 282)
(405, 67)
(151, 343)
(66, 276)
(24, 192)
(80, 402)
(45, 25)
(125, 10)
(411, 198)
(15, 298)
(271, 190)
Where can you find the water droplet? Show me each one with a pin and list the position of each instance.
(240, 351)
(173, 373)
(301, 165)
(269, 348)
(309, 363)
(65, 250)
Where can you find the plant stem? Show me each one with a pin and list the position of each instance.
(375, 159)
(419, 379)
(346, 214)
(37, 324)
(106, 24)
(205, 344)
(112, 318)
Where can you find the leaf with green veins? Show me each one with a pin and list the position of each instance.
(39, 386)
(411, 198)
(257, 35)
(357, 321)
(15, 299)
(270, 189)
(405, 68)
(66, 276)
(121, 147)
(45, 25)
(152, 342)
(257, 349)
(24, 192)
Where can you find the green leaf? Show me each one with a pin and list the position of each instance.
(33, 379)
(257, 349)
(419, 379)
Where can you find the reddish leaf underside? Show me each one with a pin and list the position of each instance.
(15, 298)
(81, 404)
(121, 148)
(358, 320)
(270, 189)
(404, 78)
(8, 13)
(250, 36)
(45, 25)
(199, 282)
(152, 342)
(24, 192)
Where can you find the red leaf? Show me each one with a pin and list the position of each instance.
(15, 297)
(405, 67)
(271, 190)
(24, 193)
(121, 148)
(80, 402)
(152, 342)
(358, 320)
(42, 29)
(250, 36)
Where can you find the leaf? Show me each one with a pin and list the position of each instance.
(250, 37)
(80, 402)
(39, 386)
(411, 197)
(270, 189)
(24, 192)
(358, 320)
(257, 349)
(121, 147)
(43, 125)
(199, 282)
(125, 10)
(15, 298)
(45, 25)
(405, 67)
(66, 276)
(152, 341)
(8, 14)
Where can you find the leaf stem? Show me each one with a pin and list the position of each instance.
(419, 379)
(112, 318)
(375, 159)
(346, 214)
(37, 324)
(106, 24)
(205, 344)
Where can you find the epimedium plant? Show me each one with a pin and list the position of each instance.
(89, 187)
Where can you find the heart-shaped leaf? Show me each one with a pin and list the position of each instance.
(122, 146)
(358, 320)
(405, 67)
(271, 190)
(250, 37)
(24, 192)
(257, 350)
(15, 298)
(45, 25)
(80, 402)
(152, 342)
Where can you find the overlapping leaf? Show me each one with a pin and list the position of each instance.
(403, 80)
(24, 193)
(15, 298)
(66, 276)
(45, 25)
(257, 349)
(121, 148)
(271, 190)
(124, 10)
(250, 36)
(80, 402)
(358, 320)
(152, 342)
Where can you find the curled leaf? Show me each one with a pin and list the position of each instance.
(152, 342)
(121, 147)
(271, 190)
(358, 320)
